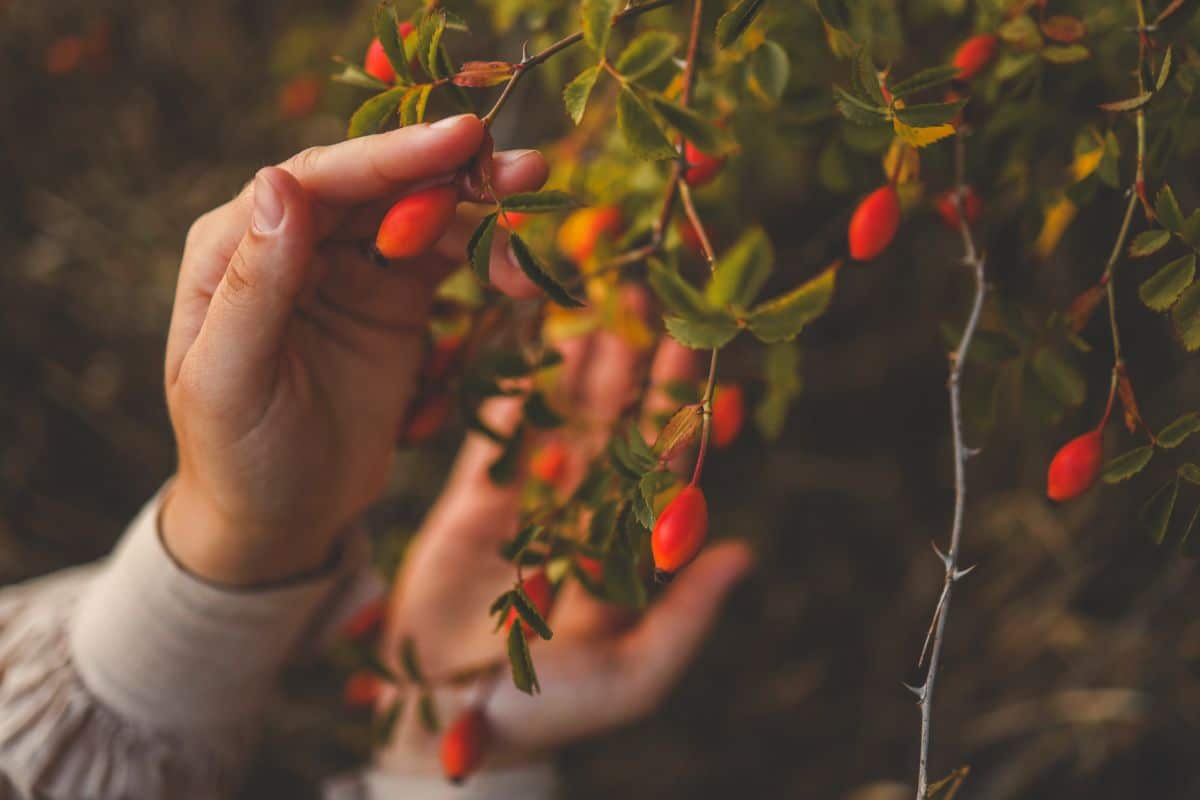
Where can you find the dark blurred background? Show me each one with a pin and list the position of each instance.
(1071, 661)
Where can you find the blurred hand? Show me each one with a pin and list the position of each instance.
(604, 666)
(292, 357)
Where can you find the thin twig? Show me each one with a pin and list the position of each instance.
(973, 260)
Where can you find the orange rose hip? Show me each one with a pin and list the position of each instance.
(464, 745)
(1075, 467)
(416, 222)
(874, 223)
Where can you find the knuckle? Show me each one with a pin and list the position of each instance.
(239, 276)
(306, 160)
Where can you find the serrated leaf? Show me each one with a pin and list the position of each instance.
(646, 53)
(868, 76)
(921, 137)
(770, 70)
(540, 202)
(541, 278)
(387, 29)
(529, 614)
(925, 79)
(924, 115)
(429, 42)
(1186, 316)
(577, 92)
(1060, 377)
(1160, 291)
(412, 106)
(1126, 465)
(1148, 242)
(354, 75)
(371, 115)
(742, 271)
(708, 333)
(1066, 53)
(1174, 434)
(734, 22)
(523, 674)
(695, 128)
(409, 661)
(782, 318)
(479, 248)
(680, 431)
(645, 136)
(1190, 473)
(1166, 207)
(597, 22)
(1155, 515)
(428, 713)
(539, 414)
(677, 294)
(857, 110)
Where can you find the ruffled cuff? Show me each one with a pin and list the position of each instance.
(167, 650)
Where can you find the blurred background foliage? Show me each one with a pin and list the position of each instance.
(1071, 664)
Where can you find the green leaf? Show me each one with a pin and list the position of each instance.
(428, 713)
(782, 318)
(523, 674)
(695, 128)
(622, 583)
(710, 333)
(1167, 209)
(538, 274)
(1148, 242)
(680, 431)
(734, 22)
(408, 660)
(1190, 232)
(383, 727)
(387, 29)
(354, 75)
(1185, 541)
(1066, 53)
(742, 270)
(540, 202)
(925, 79)
(1190, 473)
(597, 22)
(1129, 103)
(646, 53)
(429, 38)
(770, 69)
(1125, 466)
(1160, 291)
(650, 486)
(781, 372)
(371, 115)
(858, 111)
(510, 550)
(539, 414)
(927, 115)
(529, 614)
(372, 664)
(412, 107)
(1155, 515)
(504, 468)
(868, 76)
(645, 137)
(479, 248)
(577, 92)
(1174, 434)
(1164, 71)
(1186, 316)
(677, 294)
(1060, 377)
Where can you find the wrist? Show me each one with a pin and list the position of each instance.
(235, 551)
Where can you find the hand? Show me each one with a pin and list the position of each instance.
(602, 668)
(292, 357)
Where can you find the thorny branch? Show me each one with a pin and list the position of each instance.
(974, 260)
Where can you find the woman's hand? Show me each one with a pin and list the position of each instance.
(292, 356)
(603, 667)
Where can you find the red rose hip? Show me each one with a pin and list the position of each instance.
(973, 55)
(947, 208)
(728, 414)
(416, 222)
(679, 532)
(464, 744)
(1075, 467)
(874, 223)
(377, 64)
(702, 167)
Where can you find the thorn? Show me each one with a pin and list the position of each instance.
(919, 691)
(971, 452)
(945, 559)
(525, 52)
(959, 574)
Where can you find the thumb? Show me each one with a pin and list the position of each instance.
(657, 651)
(251, 307)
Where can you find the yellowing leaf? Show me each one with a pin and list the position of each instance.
(1086, 163)
(919, 137)
(903, 161)
(1059, 216)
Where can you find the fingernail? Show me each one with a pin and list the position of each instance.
(268, 205)
(510, 157)
(450, 122)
